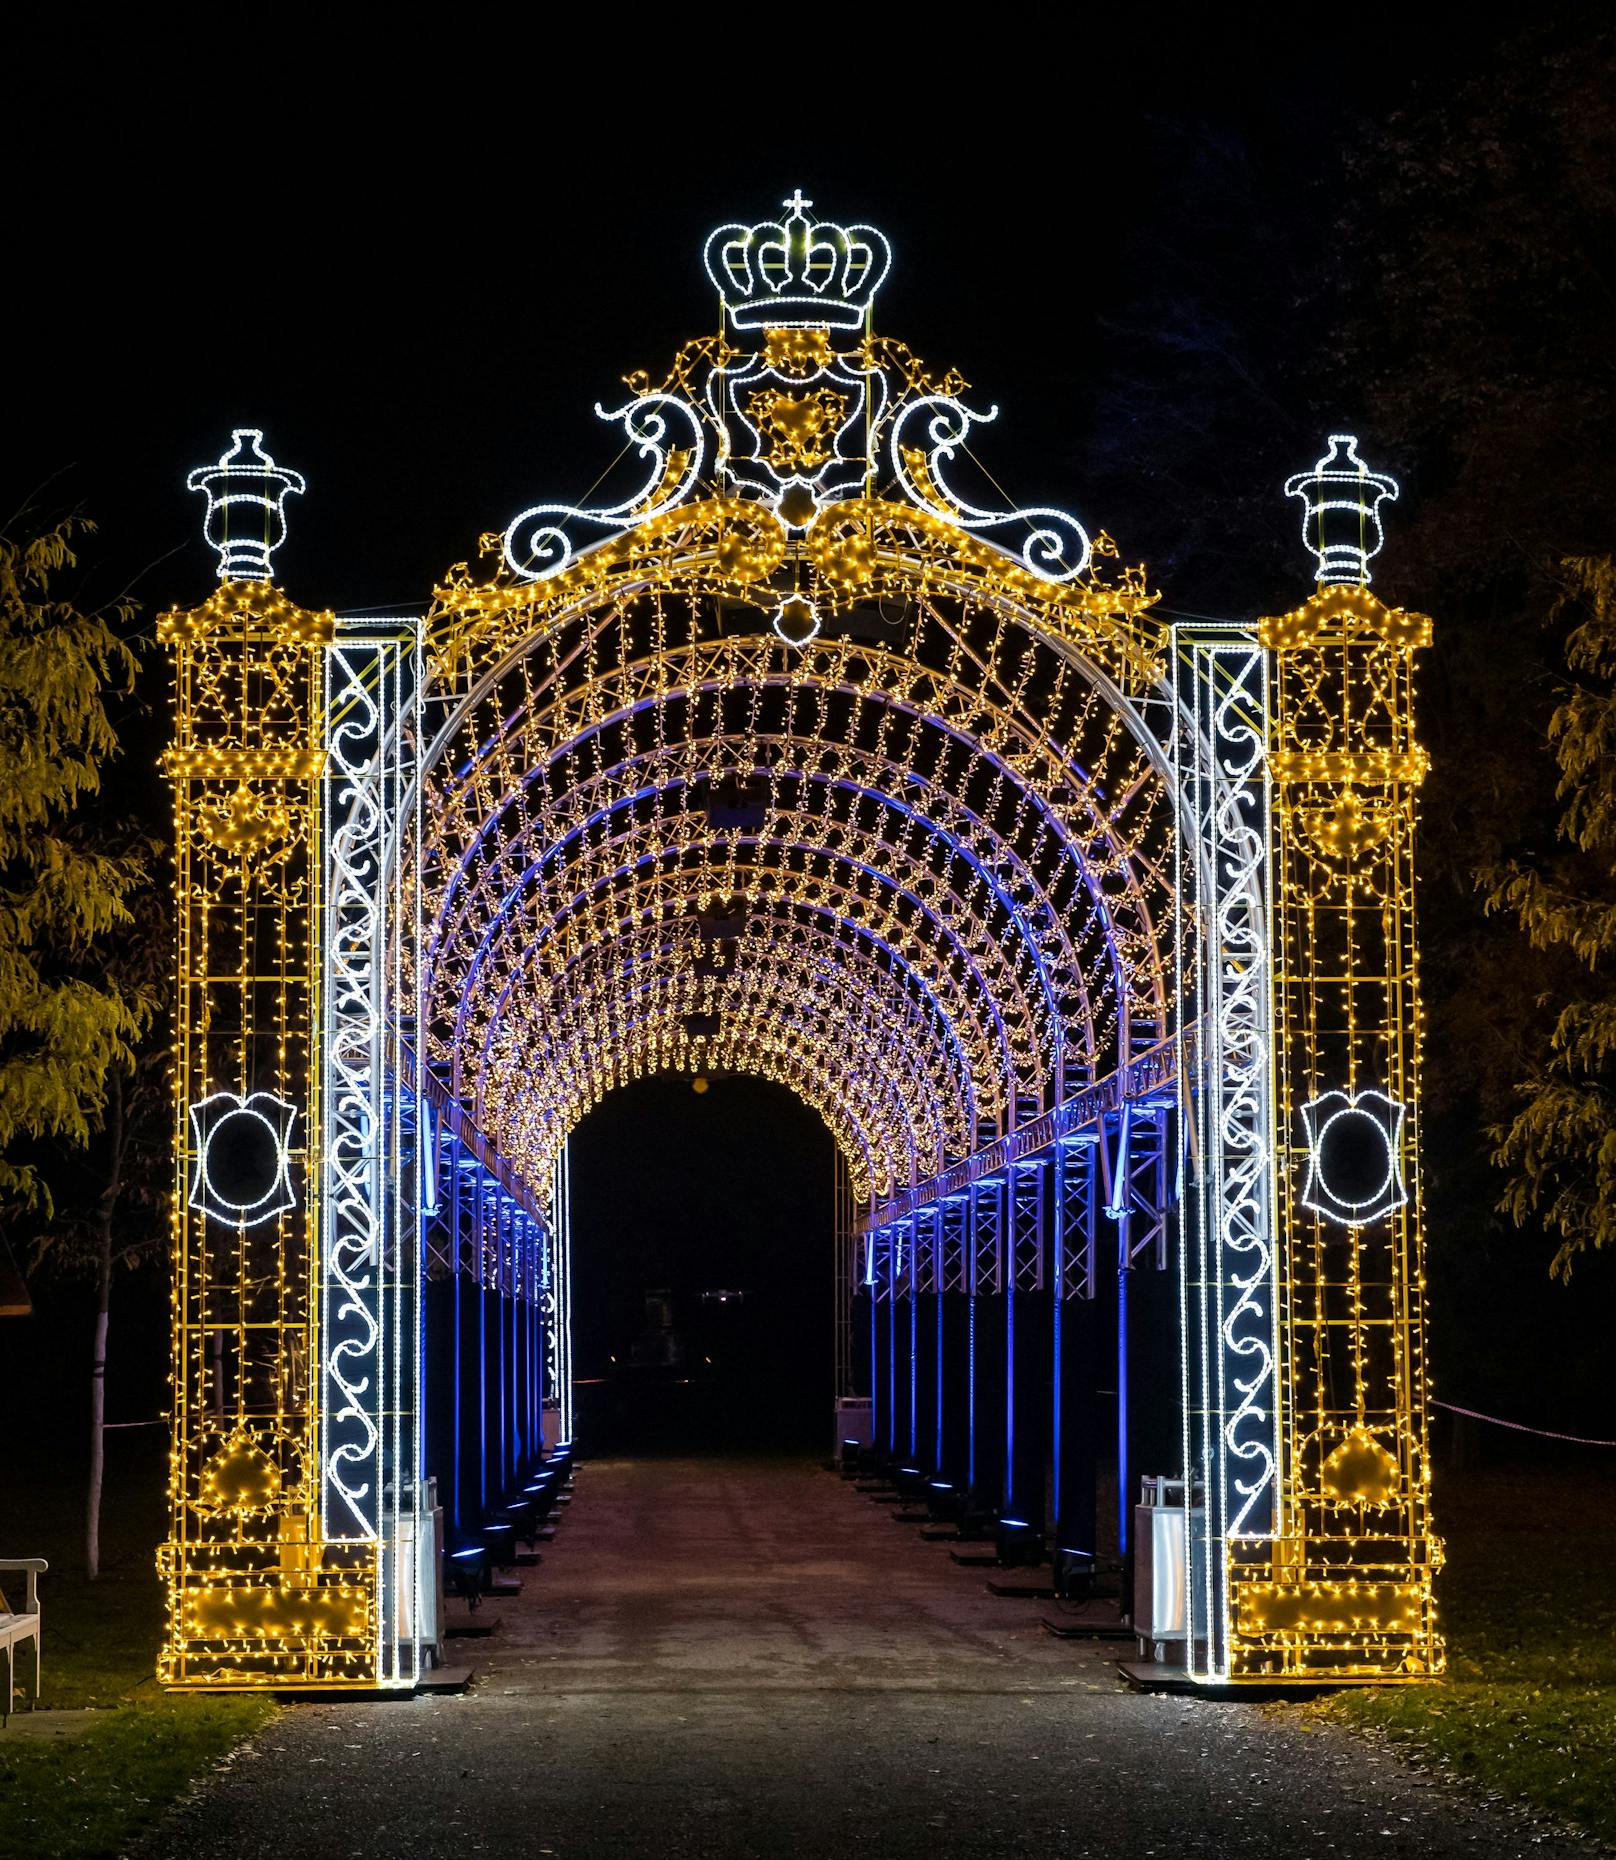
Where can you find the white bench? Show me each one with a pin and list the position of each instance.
(16, 1628)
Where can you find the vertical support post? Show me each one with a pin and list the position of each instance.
(552, 1366)
(988, 1354)
(954, 1374)
(504, 1306)
(878, 1283)
(1116, 1168)
(256, 1594)
(927, 1420)
(461, 1354)
(1027, 1342)
(844, 1380)
(370, 1453)
(1074, 1418)
(894, 1256)
(1228, 1289)
(561, 1343)
(912, 1300)
(973, 1241)
(481, 1230)
(1345, 1587)
(940, 1349)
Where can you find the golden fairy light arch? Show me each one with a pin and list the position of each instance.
(950, 780)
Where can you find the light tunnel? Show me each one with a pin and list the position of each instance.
(798, 762)
(920, 873)
(1014, 946)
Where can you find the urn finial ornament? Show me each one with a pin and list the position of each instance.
(1341, 500)
(246, 492)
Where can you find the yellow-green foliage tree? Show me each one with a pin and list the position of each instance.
(1560, 1148)
(64, 1022)
(72, 1002)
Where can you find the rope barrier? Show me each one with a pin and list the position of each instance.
(1519, 1427)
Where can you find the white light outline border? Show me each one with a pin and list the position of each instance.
(777, 619)
(280, 1197)
(1392, 1193)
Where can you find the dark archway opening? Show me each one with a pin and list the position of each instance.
(703, 1269)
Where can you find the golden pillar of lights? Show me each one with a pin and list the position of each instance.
(254, 1597)
(1345, 1590)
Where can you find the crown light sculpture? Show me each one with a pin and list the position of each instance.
(797, 273)
(246, 492)
(792, 410)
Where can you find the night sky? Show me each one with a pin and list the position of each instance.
(421, 309)
(417, 267)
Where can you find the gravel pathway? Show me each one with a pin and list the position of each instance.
(726, 1659)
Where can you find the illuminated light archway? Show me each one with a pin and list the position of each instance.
(797, 761)
(1033, 936)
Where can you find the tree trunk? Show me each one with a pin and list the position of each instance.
(103, 1300)
(98, 1398)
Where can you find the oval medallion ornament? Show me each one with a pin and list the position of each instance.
(1354, 1156)
(241, 1174)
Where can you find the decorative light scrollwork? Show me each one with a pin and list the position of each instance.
(367, 737)
(537, 545)
(1242, 938)
(1058, 548)
(1228, 1229)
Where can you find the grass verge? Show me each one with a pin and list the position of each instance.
(1529, 1609)
(96, 1791)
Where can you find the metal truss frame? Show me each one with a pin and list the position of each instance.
(926, 1271)
(954, 1226)
(1027, 1251)
(1019, 1210)
(1199, 1105)
(1147, 1076)
(985, 1245)
(1076, 1208)
(557, 1296)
